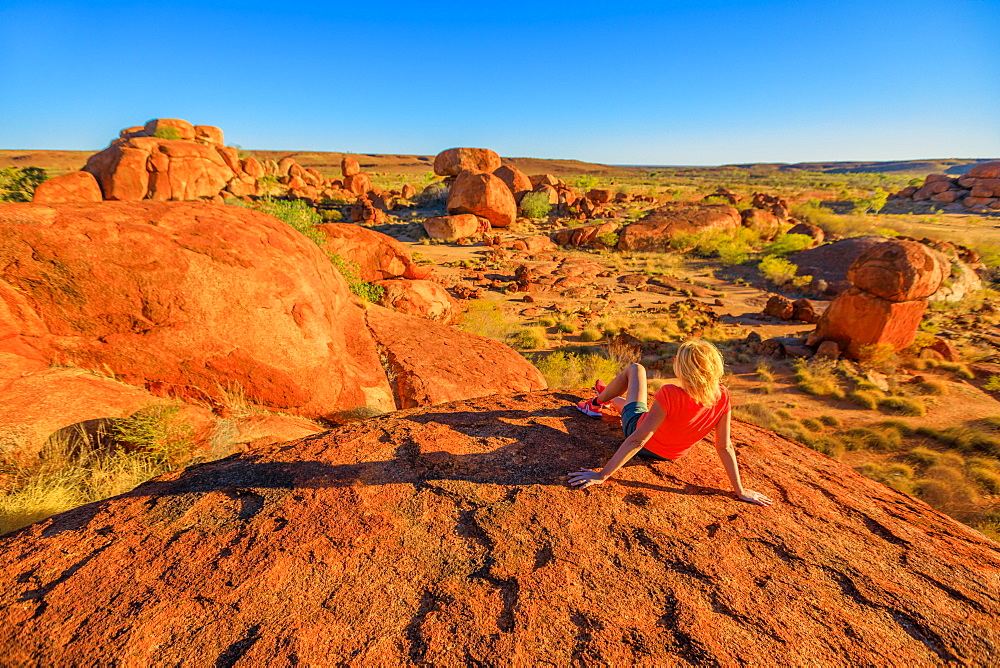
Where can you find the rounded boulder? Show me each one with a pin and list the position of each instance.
(898, 271)
(455, 160)
(484, 195)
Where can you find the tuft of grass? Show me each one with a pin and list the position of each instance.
(156, 432)
(812, 424)
(565, 327)
(528, 338)
(895, 475)
(484, 318)
(817, 377)
(166, 132)
(923, 456)
(830, 420)
(934, 387)
(591, 334)
(872, 439)
(765, 371)
(903, 405)
(759, 414)
(866, 398)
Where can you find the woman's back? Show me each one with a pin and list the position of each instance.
(686, 422)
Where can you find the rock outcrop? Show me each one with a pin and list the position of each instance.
(977, 191)
(72, 187)
(890, 285)
(430, 363)
(185, 300)
(656, 230)
(425, 299)
(448, 536)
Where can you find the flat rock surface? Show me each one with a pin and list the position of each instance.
(447, 536)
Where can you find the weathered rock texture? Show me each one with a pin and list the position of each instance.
(72, 187)
(891, 283)
(185, 299)
(659, 227)
(448, 536)
(430, 363)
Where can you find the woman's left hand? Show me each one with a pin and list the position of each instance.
(584, 478)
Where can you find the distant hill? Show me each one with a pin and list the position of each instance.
(954, 166)
(61, 162)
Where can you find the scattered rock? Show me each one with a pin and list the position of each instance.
(453, 228)
(809, 230)
(779, 307)
(656, 230)
(377, 255)
(828, 350)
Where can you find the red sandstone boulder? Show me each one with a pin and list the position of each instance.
(454, 160)
(986, 170)
(252, 167)
(432, 363)
(408, 191)
(897, 271)
(358, 184)
(285, 166)
(184, 299)
(763, 222)
(857, 318)
(779, 307)
(349, 166)
(831, 261)
(544, 180)
(377, 255)
(599, 195)
(208, 134)
(453, 228)
(584, 237)
(183, 129)
(516, 180)
(930, 189)
(484, 195)
(72, 187)
(120, 171)
(655, 231)
(551, 194)
(424, 299)
(447, 536)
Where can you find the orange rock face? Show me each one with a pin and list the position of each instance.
(484, 195)
(453, 228)
(897, 271)
(72, 187)
(986, 170)
(857, 318)
(764, 222)
(447, 536)
(424, 299)
(209, 134)
(184, 299)
(378, 255)
(454, 160)
(121, 172)
(655, 231)
(516, 180)
(252, 167)
(431, 363)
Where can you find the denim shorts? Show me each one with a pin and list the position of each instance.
(630, 420)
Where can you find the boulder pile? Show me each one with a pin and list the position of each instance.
(890, 284)
(976, 191)
(191, 301)
(171, 159)
(448, 536)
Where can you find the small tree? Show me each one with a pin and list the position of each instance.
(18, 185)
(874, 202)
(535, 205)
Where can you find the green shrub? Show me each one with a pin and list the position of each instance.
(780, 271)
(609, 239)
(547, 322)
(536, 205)
(564, 370)
(591, 334)
(788, 243)
(165, 132)
(586, 182)
(332, 216)
(18, 185)
(529, 338)
(566, 327)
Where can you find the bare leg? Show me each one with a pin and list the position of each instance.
(631, 382)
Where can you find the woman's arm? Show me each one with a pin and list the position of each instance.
(584, 478)
(726, 452)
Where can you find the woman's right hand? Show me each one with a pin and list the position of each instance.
(584, 478)
(757, 498)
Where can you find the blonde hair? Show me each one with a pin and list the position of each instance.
(699, 365)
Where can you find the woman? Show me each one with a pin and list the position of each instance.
(680, 417)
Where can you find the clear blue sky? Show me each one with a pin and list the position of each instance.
(627, 83)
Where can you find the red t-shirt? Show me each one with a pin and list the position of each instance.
(686, 423)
